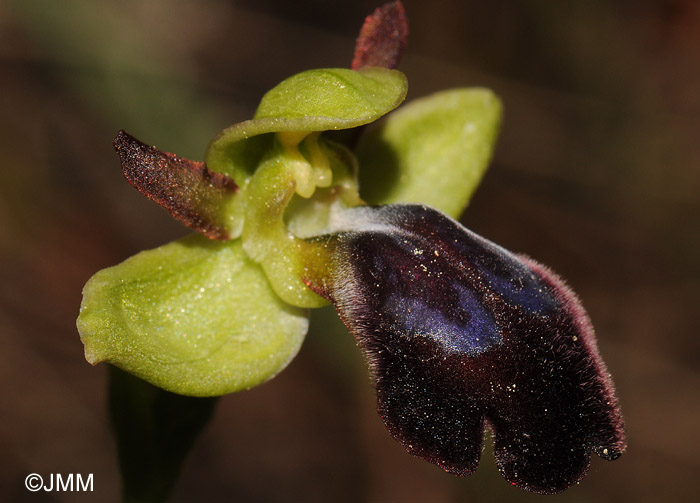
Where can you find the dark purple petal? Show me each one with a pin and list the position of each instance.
(383, 37)
(190, 192)
(460, 333)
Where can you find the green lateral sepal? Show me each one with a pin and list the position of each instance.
(433, 151)
(195, 317)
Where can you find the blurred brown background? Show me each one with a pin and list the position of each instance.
(597, 173)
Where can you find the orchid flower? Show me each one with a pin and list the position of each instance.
(459, 333)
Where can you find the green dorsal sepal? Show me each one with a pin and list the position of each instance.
(314, 100)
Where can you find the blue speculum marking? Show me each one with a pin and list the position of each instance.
(423, 296)
(470, 329)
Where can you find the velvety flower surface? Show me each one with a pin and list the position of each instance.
(461, 334)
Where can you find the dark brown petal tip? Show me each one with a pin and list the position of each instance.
(461, 334)
(383, 37)
(189, 191)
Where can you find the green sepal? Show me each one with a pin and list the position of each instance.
(433, 151)
(195, 317)
(314, 100)
(333, 98)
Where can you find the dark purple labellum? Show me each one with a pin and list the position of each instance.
(383, 37)
(189, 191)
(461, 334)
